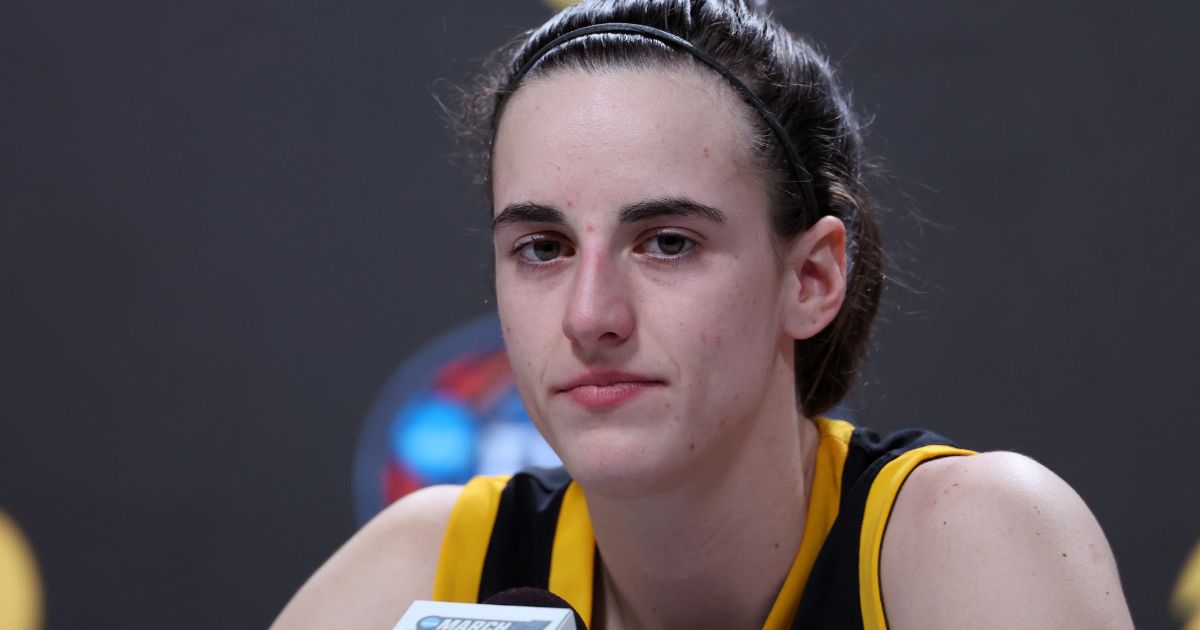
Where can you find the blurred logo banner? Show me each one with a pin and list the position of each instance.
(449, 412)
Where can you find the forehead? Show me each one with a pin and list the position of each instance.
(621, 136)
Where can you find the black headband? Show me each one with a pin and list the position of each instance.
(803, 178)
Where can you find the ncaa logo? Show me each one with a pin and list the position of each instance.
(448, 413)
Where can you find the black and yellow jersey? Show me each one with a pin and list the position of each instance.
(532, 529)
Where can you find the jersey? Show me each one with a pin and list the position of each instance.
(532, 529)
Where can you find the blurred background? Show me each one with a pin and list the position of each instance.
(241, 271)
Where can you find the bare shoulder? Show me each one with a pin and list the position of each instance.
(996, 540)
(380, 571)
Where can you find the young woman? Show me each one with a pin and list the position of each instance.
(687, 267)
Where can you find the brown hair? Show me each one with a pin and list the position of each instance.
(793, 80)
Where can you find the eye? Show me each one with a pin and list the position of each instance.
(668, 245)
(540, 249)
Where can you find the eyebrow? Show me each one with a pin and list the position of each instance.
(529, 212)
(669, 207)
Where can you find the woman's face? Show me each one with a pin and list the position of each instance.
(637, 283)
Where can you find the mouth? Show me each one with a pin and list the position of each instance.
(598, 391)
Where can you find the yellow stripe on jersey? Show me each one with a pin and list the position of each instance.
(823, 503)
(572, 560)
(879, 506)
(465, 543)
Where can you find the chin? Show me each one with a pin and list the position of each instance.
(622, 466)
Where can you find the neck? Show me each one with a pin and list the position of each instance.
(713, 550)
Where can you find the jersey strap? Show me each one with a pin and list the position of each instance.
(465, 543)
(530, 529)
(875, 518)
(843, 588)
(823, 500)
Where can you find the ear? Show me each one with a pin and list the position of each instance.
(816, 278)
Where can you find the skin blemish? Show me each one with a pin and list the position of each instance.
(717, 340)
(590, 228)
(705, 151)
(776, 545)
(570, 204)
(703, 338)
(1064, 555)
(692, 446)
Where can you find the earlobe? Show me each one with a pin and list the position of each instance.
(816, 278)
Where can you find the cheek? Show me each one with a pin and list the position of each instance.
(529, 325)
(739, 332)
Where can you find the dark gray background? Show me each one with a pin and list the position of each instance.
(225, 223)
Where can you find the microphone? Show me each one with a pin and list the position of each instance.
(515, 609)
(537, 597)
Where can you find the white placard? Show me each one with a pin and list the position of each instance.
(423, 615)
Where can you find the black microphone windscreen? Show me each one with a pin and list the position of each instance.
(530, 596)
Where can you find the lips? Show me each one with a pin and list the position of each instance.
(605, 390)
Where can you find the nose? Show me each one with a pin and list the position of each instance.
(600, 313)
